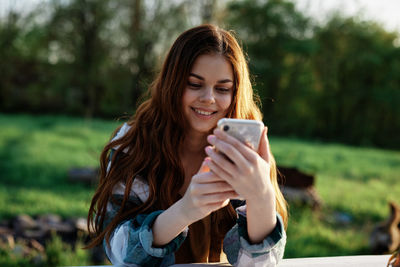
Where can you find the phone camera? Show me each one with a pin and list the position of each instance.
(226, 128)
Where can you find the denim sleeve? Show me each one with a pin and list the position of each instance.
(131, 244)
(240, 252)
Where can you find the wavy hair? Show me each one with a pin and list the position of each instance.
(157, 130)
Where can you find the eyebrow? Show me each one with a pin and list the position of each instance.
(201, 78)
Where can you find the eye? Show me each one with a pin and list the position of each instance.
(194, 85)
(222, 89)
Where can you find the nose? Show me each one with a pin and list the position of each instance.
(207, 95)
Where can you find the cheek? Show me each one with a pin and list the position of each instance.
(226, 102)
(186, 98)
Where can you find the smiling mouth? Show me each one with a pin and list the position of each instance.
(204, 113)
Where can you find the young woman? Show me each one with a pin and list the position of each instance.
(165, 195)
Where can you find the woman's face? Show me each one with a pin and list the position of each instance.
(208, 93)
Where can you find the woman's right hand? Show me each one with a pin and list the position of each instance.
(206, 193)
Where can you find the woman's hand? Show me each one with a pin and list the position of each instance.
(205, 194)
(246, 170)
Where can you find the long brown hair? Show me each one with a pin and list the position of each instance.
(157, 130)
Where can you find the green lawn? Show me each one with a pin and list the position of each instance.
(37, 151)
(35, 155)
(354, 181)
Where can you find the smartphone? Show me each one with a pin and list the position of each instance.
(247, 131)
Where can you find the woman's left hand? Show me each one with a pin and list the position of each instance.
(246, 170)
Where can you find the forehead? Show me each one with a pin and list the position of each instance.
(212, 67)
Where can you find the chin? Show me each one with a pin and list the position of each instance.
(204, 129)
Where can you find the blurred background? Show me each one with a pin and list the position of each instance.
(328, 73)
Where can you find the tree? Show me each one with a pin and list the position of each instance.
(22, 49)
(275, 37)
(75, 30)
(356, 67)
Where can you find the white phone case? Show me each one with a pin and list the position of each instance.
(247, 131)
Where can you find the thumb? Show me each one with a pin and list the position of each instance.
(263, 149)
(204, 167)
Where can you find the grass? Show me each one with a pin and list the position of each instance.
(37, 151)
(35, 155)
(354, 181)
(57, 253)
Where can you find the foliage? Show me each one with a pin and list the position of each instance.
(358, 82)
(91, 58)
(61, 254)
(57, 253)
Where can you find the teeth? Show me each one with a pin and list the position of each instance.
(203, 112)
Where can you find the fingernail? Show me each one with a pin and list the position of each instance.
(211, 139)
(208, 149)
(217, 131)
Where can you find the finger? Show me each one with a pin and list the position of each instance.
(220, 160)
(206, 177)
(211, 188)
(245, 151)
(218, 205)
(217, 197)
(219, 171)
(203, 167)
(228, 149)
(263, 149)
